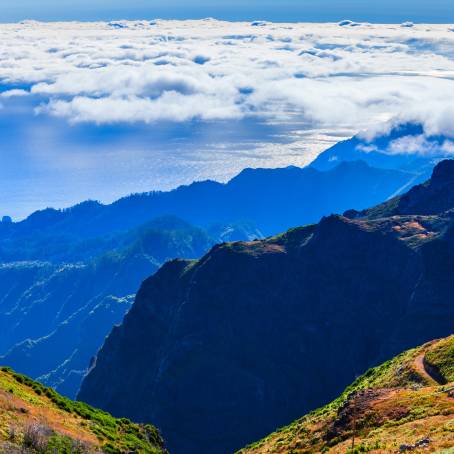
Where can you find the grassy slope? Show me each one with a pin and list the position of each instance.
(397, 403)
(37, 418)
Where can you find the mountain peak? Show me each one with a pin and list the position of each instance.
(443, 172)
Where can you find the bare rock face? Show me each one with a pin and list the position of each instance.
(221, 351)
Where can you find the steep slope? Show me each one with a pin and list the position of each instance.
(54, 318)
(35, 419)
(404, 404)
(254, 334)
(272, 200)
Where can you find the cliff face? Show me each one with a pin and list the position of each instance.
(221, 351)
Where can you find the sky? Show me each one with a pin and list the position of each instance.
(98, 110)
(433, 11)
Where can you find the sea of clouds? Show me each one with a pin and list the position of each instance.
(312, 83)
(348, 73)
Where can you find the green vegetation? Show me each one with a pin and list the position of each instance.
(398, 403)
(442, 357)
(41, 421)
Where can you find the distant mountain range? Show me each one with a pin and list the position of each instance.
(67, 276)
(271, 200)
(220, 351)
(356, 173)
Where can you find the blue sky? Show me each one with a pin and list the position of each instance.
(437, 11)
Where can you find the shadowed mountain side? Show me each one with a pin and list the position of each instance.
(253, 335)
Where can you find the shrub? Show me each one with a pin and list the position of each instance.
(36, 437)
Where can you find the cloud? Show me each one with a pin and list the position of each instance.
(420, 145)
(171, 106)
(349, 77)
(14, 92)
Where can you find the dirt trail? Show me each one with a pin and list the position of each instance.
(424, 371)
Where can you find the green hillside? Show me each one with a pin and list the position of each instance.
(35, 419)
(406, 404)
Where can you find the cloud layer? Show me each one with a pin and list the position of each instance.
(350, 75)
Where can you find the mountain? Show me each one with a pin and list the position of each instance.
(35, 419)
(404, 404)
(404, 147)
(432, 197)
(219, 352)
(55, 317)
(68, 276)
(271, 200)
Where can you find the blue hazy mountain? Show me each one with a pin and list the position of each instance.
(269, 199)
(405, 147)
(67, 276)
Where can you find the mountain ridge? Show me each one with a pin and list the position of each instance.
(203, 203)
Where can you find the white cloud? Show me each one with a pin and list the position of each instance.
(13, 93)
(348, 77)
(170, 106)
(420, 145)
(448, 147)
